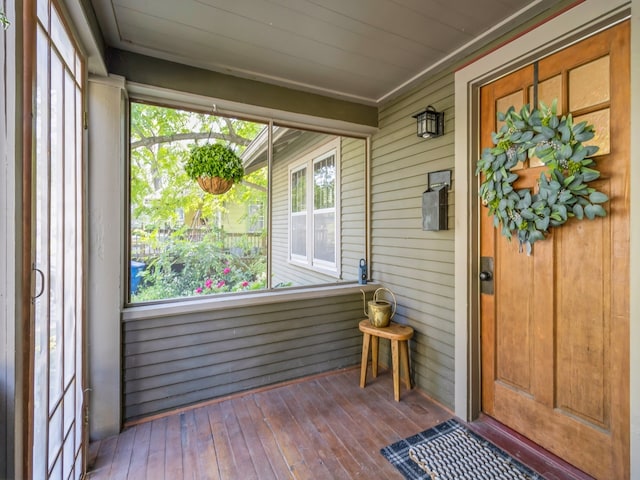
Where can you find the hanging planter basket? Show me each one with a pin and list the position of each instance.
(215, 185)
(214, 166)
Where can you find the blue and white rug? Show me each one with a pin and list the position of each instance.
(450, 451)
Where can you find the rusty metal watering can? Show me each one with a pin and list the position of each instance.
(380, 312)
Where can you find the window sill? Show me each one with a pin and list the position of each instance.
(188, 306)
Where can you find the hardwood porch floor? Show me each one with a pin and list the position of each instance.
(323, 427)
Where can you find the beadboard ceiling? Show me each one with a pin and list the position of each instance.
(365, 51)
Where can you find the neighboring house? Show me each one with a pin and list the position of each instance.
(567, 375)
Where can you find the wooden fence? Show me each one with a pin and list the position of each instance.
(240, 244)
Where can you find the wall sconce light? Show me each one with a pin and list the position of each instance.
(430, 123)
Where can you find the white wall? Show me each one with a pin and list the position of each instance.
(105, 282)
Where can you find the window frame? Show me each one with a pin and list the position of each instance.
(184, 102)
(308, 162)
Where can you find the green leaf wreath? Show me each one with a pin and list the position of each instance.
(563, 190)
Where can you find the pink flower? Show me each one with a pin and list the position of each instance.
(199, 290)
(220, 284)
(245, 284)
(208, 283)
(226, 271)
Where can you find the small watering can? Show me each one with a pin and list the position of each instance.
(380, 311)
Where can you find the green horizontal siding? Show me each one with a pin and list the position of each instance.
(418, 266)
(174, 361)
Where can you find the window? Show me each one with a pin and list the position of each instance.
(298, 228)
(313, 223)
(57, 407)
(188, 243)
(185, 242)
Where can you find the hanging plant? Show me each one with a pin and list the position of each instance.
(216, 167)
(563, 190)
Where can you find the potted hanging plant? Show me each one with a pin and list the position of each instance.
(214, 166)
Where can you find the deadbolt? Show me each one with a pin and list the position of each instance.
(486, 275)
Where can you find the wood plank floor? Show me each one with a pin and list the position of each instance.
(322, 427)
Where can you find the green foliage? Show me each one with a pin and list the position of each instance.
(185, 268)
(163, 198)
(4, 21)
(160, 187)
(214, 160)
(564, 193)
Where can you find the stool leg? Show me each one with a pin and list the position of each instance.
(374, 355)
(365, 356)
(396, 370)
(404, 355)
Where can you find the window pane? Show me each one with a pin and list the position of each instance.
(55, 434)
(70, 235)
(62, 41)
(299, 235)
(299, 191)
(57, 246)
(324, 237)
(324, 179)
(41, 365)
(332, 231)
(43, 12)
(184, 241)
(187, 243)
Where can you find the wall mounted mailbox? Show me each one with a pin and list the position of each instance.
(435, 201)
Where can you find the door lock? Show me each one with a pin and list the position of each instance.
(486, 275)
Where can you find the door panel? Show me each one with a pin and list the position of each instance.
(57, 393)
(555, 333)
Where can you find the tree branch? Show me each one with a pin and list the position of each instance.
(149, 141)
(232, 131)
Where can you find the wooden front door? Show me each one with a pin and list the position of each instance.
(555, 344)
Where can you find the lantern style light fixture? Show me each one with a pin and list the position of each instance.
(430, 123)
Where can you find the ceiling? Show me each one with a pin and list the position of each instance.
(362, 50)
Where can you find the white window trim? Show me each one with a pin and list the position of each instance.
(307, 161)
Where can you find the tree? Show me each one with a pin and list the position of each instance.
(166, 206)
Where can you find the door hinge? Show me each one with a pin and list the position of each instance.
(85, 120)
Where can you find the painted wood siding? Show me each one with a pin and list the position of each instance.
(417, 265)
(173, 361)
(283, 270)
(352, 206)
(352, 200)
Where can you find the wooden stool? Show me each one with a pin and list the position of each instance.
(398, 334)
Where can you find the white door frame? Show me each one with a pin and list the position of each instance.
(580, 21)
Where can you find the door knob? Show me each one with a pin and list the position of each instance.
(484, 276)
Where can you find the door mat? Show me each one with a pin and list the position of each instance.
(450, 451)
